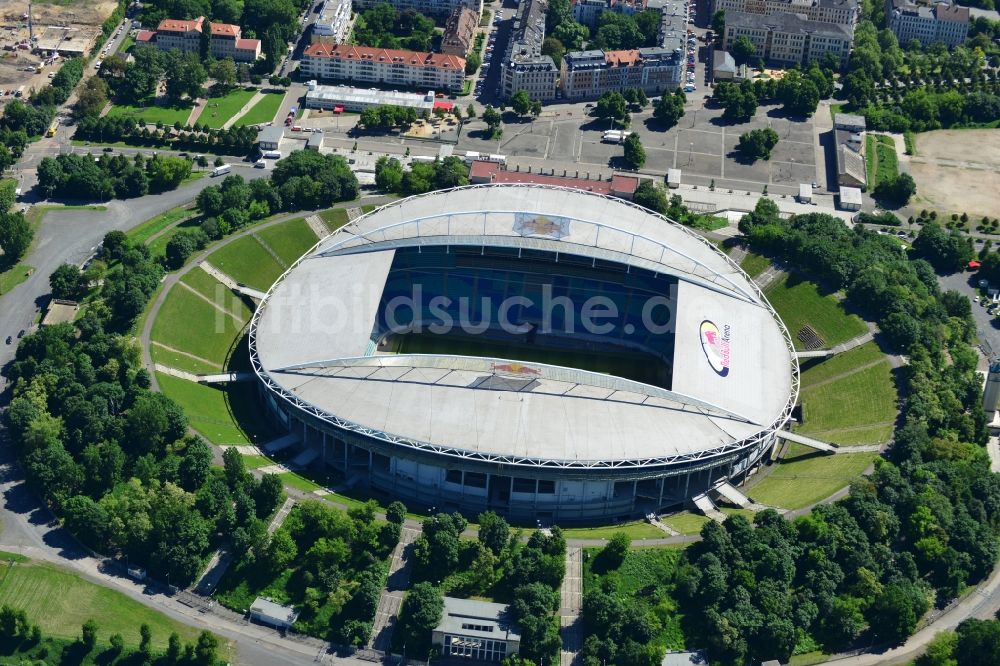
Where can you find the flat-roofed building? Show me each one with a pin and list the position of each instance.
(459, 32)
(431, 7)
(476, 630)
(484, 172)
(333, 21)
(416, 69)
(226, 39)
(524, 67)
(842, 12)
(589, 74)
(789, 38)
(927, 23)
(849, 122)
(359, 99)
(850, 198)
(269, 138)
(267, 612)
(673, 31)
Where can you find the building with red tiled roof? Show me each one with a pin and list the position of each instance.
(590, 74)
(459, 32)
(226, 40)
(416, 69)
(623, 187)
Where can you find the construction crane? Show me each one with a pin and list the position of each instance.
(31, 30)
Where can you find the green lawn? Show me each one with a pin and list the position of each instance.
(881, 161)
(754, 264)
(290, 239)
(188, 323)
(334, 218)
(823, 369)
(856, 408)
(229, 414)
(14, 276)
(60, 601)
(209, 287)
(686, 522)
(218, 110)
(635, 530)
(255, 462)
(37, 212)
(245, 260)
(805, 477)
(168, 115)
(263, 111)
(143, 232)
(799, 302)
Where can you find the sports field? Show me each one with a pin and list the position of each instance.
(638, 367)
(168, 115)
(245, 260)
(60, 601)
(218, 110)
(226, 414)
(800, 303)
(203, 325)
(263, 111)
(850, 398)
(289, 240)
(805, 477)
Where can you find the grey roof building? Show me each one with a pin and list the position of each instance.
(269, 137)
(783, 37)
(927, 23)
(850, 162)
(849, 121)
(266, 611)
(524, 66)
(476, 630)
(724, 67)
(843, 12)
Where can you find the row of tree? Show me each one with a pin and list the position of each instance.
(390, 176)
(15, 232)
(74, 176)
(236, 140)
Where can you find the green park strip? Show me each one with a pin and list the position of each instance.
(178, 360)
(334, 218)
(805, 477)
(14, 276)
(687, 522)
(799, 303)
(218, 110)
(263, 111)
(168, 115)
(143, 232)
(188, 323)
(635, 530)
(824, 369)
(226, 414)
(754, 264)
(881, 162)
(60, 601)
(212, 289)
(837, 408)
(245, 260)
(35, 214)
(256, 462)
(289, 240)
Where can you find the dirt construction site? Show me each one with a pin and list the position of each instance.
(68, 28)
(957, 171)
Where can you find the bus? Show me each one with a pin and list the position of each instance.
(221, 170)
(51, 131)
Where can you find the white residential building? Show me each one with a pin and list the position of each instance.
(948, 24)
(414, 69)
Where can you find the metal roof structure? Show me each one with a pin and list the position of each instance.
(311, 341)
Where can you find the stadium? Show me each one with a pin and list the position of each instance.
(546, 353)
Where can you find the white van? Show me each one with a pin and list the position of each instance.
(221, 170)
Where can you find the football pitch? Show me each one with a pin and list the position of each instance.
(620, 363)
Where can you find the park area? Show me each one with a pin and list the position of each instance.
(881, 162)
(218, 110)
(264, 110)
(800, 303)
(957, 171)
(168, 115)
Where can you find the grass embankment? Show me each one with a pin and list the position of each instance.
(168, 115)
(247, 261)
(635, 530)
(14, 276)
(881, 162)
(218, 110)
(849, 398)
(60, 601)
(754, 264)
(804, 477)
(688, 522)
(224, 414)
(289, 240)
(800, 303)
(143, 232)
(264, 110)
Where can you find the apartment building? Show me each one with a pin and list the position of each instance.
(415, 69)
(840, 12)
(588, 12)
(590, 74)
(333, 21)
(459, 32)
(431, 7)
(948, 24)
(785, 38)
(524, 67)
(226, 39)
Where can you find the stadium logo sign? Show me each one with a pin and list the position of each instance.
(715, 344)
(515, 369)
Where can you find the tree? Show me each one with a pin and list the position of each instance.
(635, 154)
(224, 72)
(15, 238)
(67, 282)
(420, 613)
(270, 493)
(613, 554)
(470, 111)
(88, 636)
(493, 119)
(521, 102)
(651, 196)
(718, 23)
(183, 75)
(571, 34)
(92, 99)
(612, 105)
(742, 50)
(388, 174)
(898, 190)
(739, 101)
(978, 642)
(765, 211)
(757, 144)
(206, 649)
(494, 532)
(553, 48)
(117, 642)
(145, 639)
(670, 108)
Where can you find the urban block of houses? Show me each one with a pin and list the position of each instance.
(430, 7)
(589, 74)
(415, 69)
(842, 12)
(524, 66)
(789, 38)
(226, 39)
(459, 32)
(476, 631)
(588, 12)
(927, 23)
(486, 172)
(673, 30)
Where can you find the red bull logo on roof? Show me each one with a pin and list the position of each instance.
(515, 369)
(716, 345)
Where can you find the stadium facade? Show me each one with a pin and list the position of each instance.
(443, 350)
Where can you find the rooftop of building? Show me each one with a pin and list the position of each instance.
(276, 612)
(788, 23)
(529, 29)
(619, 184)
(481, 619)
(850, 195)
(389, 56)
(595, 58)
(942, 11)
(460, 27)
(271, 134)
(370, 97)
(723, 61)
(218, 29)
(848, 120)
